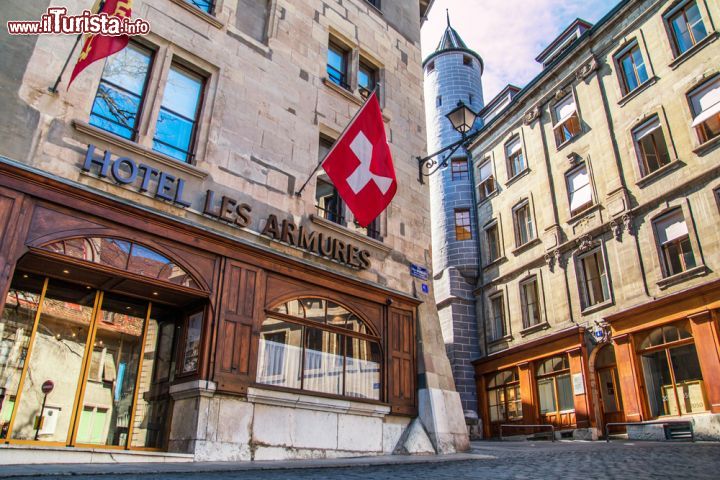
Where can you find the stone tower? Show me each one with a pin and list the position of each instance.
(453, 74)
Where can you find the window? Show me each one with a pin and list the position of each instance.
(674, 240)
(579, 189)
(503, 392)
(486, 185)
(204, 5)
(179, 111)
(372, 230)
(459, 169)
(120, 95)
(317, 345)
(462, 225)
(431, 66)
(467, 61)
(515, 158)
(632, 68)
(497, 317)
(554, 386)
(438, 101)
(594, 286)
(567, 122)
(530, 302)
(367, 79)
(374, 3)
(673, 379)
(650, 146)
(337, 65)
(328, 203)
(492, 240)
(524, 230)
(705, 103)
(686, 27)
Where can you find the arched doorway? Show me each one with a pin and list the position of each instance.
(608, 384)
(88, 344)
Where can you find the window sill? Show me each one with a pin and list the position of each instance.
(660, 172)
(358, 100)
(517, 177)
(699, 271)
(495, 262)
(526, 246)
(597, 307)
(497, 341)
(693, 50)
(535, 328)
(343, 230)
(570, 140)
(199, 13)
(488, 198)
(267, 395)
(581, 214)
(703, 148)
(111, 138)
(638, 90)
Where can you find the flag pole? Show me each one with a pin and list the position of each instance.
(299, 192)
(53, 89)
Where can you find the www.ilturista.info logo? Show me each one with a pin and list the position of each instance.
(57, 21)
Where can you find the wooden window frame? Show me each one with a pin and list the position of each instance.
(494, 226)
(674, 12)
(466, 232)
(459, 169)
(498, 296)
(565, 130)
(556, 390)
(529, 224)
(703, 132)
(486, 188)
(513, 384)
(640, 150)
(345, 53)
(584, 282)
(626, 52)
(664, 254)
(525, 305)
(510, 158)
(587, 205)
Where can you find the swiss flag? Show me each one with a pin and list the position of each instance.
(360, 165)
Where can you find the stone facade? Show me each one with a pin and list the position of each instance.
(266, 101)
(619, 223)
(453, 74)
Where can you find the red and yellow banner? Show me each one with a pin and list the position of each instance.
(97, 46)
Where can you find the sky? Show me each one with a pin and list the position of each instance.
(508, 34)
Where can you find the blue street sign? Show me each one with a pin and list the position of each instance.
(425, 288)
(418, 272)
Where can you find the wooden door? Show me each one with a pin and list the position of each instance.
(610, 397)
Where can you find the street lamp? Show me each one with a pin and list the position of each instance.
(462, 119)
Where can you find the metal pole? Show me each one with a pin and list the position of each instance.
(53, 89)
(40, 420)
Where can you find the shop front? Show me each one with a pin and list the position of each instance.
(125, 329)
(543, 382)
(668, 362)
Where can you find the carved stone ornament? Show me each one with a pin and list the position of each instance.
(559, 258)
(585, 243)
(617, 229)
(600, 332)
(587, 68)
(573, 158)
(627, 222)
(559, 95)
(531, 115)
(550, 260)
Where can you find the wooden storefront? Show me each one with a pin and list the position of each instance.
(213, 293)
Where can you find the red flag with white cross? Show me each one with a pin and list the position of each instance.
(360, 164)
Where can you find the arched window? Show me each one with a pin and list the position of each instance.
(554, 385)
(503, 390)
(671, 369)
(124, 255)
(317, 345)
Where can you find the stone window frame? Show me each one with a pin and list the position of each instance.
(525, 202)
(700, 141)
(355, 55)
(591, 184)
(508, 158)
(165, 55)
(491, 178)
(542, 319)
(643, 179)
(494, 223)
(506, 332)
(578, 259)
(629, 45)
(666, 278)
(707, 23)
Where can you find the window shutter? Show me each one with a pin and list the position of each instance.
(671, 227)
(485, 171)
(238, 327)
(646, 129)
(706, 97)
(401, 362)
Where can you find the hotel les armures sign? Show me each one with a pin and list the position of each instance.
(170, 188)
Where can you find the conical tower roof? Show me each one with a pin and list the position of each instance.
(452, 42)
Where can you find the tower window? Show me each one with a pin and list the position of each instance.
(431, 66)
(438, 101)
(467, 61)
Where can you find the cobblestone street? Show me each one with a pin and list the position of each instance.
(508, 460)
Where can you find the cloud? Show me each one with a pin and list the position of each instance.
(508, 34)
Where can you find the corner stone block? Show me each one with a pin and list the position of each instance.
(442, 415)
(417, 441)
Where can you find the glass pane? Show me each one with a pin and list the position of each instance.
(204, 5)
(16, 324)
(362, 372)
(337, 315)
(682, 35)
(62, 333)
(546, 392)
(688, 379)
(182, 92)
(144, 261)
(111, 252)
(314, 309)
(128, 69)
(115, 111)
(606, 357)
(640, 65)
(653, 338)
(658, 384)
(280, 354)
(629, 73)
(173, 135)
(110, 388)
(696, 24)
(150, 420)
(565, 392)
(191, 348)
(323, 366)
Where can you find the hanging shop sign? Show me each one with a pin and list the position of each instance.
(171, 188)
